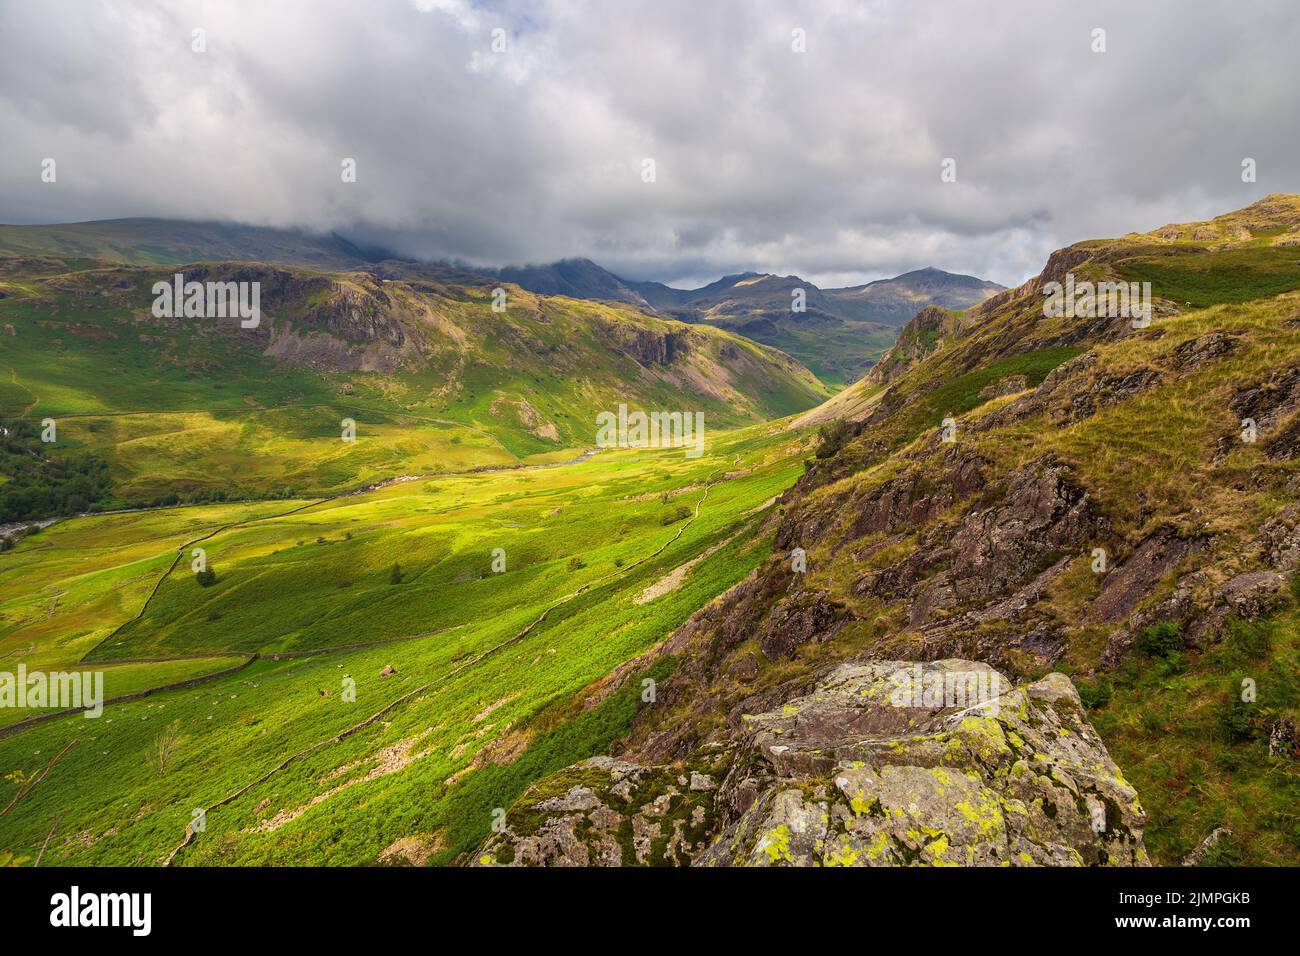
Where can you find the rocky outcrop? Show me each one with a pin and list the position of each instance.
(922, 335)
(879, 763)
(1196, 352)
(1270, 400)
(1108, 390)
(646, 346)
(796, 622)
(1123, 587)
(1197, 856)
(1040, 513)
(1279, 540)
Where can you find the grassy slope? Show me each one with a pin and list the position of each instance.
(1166, 721)
(64, 590)
(606, 512)
(196, 408)
(124, 679)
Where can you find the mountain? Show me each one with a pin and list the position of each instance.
(1033, 492)
(759, 307)
(1028, 598)
(839, 334)
(172, 241)
(576, 278)
(894, 301)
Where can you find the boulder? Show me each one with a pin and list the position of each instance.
(879, 763)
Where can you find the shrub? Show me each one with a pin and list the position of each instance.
(1236, 717)
(206, 578)
(832, 436)
(1172, 664)
(680, 514)
(575, 563)
(1251, 639)
(1094, 694)
(395, 575)
(1160, 640)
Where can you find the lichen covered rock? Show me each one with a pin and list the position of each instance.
(880, 763)
(607, 812)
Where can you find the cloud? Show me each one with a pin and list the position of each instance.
(823, 163)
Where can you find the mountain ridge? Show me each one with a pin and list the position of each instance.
(839, 334)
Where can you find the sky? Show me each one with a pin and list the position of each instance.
(802, 138)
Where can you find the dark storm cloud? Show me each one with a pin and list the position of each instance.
(823, 163)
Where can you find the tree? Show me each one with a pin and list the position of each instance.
(395, 576)
(165, 747)
(206, 578)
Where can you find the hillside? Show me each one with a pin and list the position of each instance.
(435, 379)
(410, 685)
(1101, 511)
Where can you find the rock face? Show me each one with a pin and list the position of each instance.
(923, 334)
(647, 346)
(880, 763)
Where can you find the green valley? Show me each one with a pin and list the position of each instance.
(464, 627)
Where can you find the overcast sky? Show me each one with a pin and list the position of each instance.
(825, 163)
